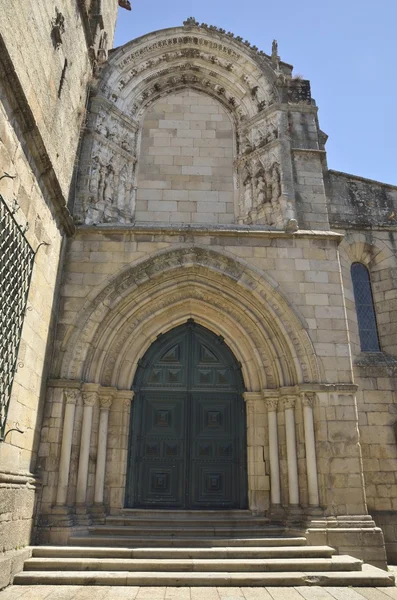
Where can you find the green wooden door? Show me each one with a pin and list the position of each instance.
(187, 447)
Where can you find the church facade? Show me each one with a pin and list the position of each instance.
(225, 330)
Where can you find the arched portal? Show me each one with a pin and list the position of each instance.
(187, 446)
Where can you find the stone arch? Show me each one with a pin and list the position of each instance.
(203, 58)
(227, 296)
(249, 85)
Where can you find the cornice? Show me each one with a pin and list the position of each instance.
(110, 229)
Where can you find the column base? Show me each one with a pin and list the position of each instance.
(83, 516)
(98, 513)
(62, 515)
(277, 512)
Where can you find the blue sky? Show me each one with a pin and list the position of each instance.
(348, 50)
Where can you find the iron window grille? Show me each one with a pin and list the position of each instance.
(16, 266)
(366, 317)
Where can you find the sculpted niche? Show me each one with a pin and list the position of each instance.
(220, 150)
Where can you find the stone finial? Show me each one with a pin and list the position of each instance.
(191, 22)
(275, 56)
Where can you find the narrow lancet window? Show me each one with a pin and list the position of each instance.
(366, 317)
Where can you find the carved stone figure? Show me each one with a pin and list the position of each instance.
(109, 183)
(95, 175)
(260, 190)
(275, 183)
(246, 145)
(247, 194)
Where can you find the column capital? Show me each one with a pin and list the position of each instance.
(289, 402)
(272, 403)
(126, 397)
(308, 399)
(90, 398)
(105, 402)
(72, 396)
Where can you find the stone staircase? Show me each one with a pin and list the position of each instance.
(206, 548)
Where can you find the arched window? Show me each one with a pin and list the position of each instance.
(366, 317)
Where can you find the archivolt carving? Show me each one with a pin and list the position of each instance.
(234, 290)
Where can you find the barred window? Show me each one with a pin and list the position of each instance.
(365, 309)
(16, 264)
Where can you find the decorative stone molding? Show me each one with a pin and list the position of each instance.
(233, 290)
(252, 396)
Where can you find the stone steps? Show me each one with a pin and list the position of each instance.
(196, 548)
(188, 531)
(85, 552)
(371, 576)
(196, 542)
(335, 563)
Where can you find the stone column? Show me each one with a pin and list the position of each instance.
(66, 447)
(89, 400)
(275, 490)
(105, 404)
(310, 446)
(292, 458)
(257, 485)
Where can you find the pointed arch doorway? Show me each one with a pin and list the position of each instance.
(187, 443)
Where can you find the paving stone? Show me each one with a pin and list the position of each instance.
(122, 593)
(371, 593)
(283, 593)
(93, 592)
(255, 593)
(230, 593)
(344, 593)
(315, 593)
(204, 593)
(177, 593)
(390, 592)
(151, 593)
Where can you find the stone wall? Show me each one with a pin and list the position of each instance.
(186, 162)
(360, 203)
(18, 452)
(376, 373)
(302, 268)
(45, 67)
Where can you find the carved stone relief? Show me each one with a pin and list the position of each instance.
(110, 194)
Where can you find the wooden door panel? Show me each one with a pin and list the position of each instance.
(214, 451)
(187, 440)
(160, 454)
